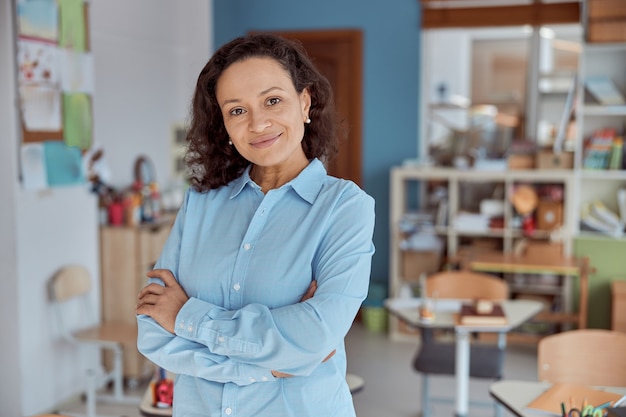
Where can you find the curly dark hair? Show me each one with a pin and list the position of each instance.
(211, 161)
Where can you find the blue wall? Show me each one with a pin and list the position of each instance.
(391, 53)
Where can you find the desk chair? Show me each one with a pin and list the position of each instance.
(69, 290)
(584, 356)
(437, 357)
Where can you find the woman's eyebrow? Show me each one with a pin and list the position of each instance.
(262, 93)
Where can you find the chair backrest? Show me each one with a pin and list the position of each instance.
(584, 356)
(466, 284)
(68, 290)
(69, 282)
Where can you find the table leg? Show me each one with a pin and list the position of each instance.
(583, 307)
(462, 373)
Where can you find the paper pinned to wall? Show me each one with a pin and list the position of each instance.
(77, 73)
(77, 120)
(63, 163)
(41, 108)
(38, 19)
(33, 164)
(37, 63)
(72, 25)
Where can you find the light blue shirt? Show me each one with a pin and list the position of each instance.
(245, 259)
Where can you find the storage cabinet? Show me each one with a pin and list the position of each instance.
(127, 253)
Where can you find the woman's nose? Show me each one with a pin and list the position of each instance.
(259, 121)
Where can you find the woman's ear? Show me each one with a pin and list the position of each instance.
(305, 99)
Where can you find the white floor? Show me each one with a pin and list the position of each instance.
(392, 388)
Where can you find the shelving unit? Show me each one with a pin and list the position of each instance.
(605, 253)
(581, 185)
(600, 60)
(403, 180)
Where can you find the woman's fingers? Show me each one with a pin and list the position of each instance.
(310, 292)
(330, 355)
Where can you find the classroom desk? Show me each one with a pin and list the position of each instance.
(446, 311)
(516, 395)
(355, 383)
(568, 267)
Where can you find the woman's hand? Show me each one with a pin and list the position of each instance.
(162, 303)
(310, 292)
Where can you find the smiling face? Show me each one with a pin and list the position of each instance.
(264, 115)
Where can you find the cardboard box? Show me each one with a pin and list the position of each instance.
(550, 160)
(520, 161)
(414, 263)
(549, 215)
(543, 250)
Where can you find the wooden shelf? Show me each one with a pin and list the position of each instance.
(455, 180)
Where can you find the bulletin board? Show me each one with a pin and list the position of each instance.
(55, 86)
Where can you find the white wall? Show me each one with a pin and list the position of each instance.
(147, 55)
(9, 326)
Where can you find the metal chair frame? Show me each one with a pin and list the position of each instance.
(72, 283)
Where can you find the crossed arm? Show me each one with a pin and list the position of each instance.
(163, 302)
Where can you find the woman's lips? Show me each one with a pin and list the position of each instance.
(265, 142)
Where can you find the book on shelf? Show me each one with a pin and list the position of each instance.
(599, 149)
(621, 203)
(472, 315)
(604, 91)
(563, 394)
(597, 217)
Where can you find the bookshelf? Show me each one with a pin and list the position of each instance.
(601, 181)
(410, 186)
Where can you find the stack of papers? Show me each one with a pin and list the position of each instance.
(568, 395)
(471, 222)
(604, 91)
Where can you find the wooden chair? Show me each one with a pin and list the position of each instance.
(438, 357)
(69, 290)
(584, 356)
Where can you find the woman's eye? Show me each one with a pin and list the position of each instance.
(273, 101)
(236, 112)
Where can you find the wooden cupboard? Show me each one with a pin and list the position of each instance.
(126, 254)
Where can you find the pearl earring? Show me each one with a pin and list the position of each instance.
(307, 121)
(230, 142)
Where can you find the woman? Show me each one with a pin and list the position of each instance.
(269, 258)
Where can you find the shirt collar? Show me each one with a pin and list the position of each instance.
(307, 184)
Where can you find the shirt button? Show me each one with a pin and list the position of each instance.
(190, 328)
(252, 379)
(228, 411)
(181, 325)
(220, 339)
(264, 378)
(237, 287)
(246, 246)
